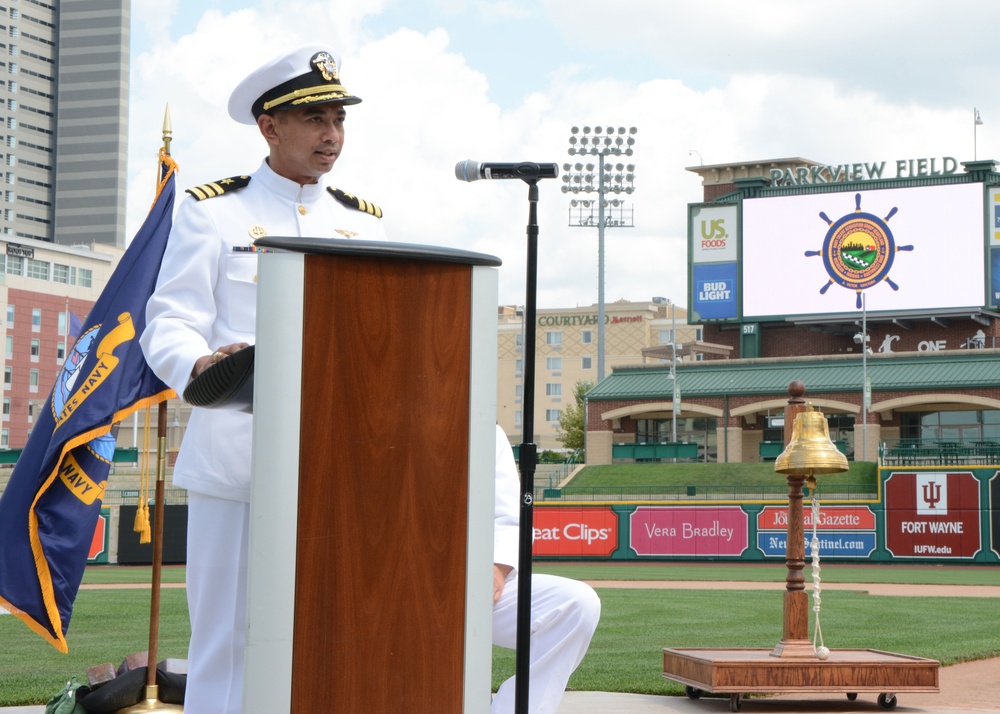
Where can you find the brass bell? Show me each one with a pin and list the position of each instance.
(810, 450)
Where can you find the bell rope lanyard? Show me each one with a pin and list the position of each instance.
(821, 650)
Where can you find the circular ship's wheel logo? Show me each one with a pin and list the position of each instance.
(858, 250)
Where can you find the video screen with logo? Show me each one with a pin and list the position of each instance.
(903, 249)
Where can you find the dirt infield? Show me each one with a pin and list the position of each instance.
(969, 686)
(894, 589)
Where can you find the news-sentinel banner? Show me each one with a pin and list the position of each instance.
(842, 531)
(902, 247)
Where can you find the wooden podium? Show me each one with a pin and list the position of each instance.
(371, 518)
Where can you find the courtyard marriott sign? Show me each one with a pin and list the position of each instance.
(578, 320)
(840, 173)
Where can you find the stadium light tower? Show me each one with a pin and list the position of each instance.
(617, 178)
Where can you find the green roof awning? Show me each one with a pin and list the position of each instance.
(975, 369)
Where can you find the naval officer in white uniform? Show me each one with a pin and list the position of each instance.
(564, 612)
(204, 308)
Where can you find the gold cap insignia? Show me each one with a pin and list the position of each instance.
(326, 65)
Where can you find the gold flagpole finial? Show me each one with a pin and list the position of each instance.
(167, 130)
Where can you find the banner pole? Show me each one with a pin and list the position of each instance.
(152, 701)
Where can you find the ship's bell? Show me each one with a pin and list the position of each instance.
(810, 451)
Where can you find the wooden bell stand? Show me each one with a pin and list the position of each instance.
(792, 666)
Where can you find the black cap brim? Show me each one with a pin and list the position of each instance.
(227, 384)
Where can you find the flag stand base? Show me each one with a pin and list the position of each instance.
(151, 703)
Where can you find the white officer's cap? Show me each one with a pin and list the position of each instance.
(303, 77)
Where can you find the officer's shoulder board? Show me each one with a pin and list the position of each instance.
(353, 201)
(217, 188)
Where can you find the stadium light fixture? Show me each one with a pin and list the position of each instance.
(610, 178)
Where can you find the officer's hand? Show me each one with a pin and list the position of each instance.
(500, 573)
(203, 363)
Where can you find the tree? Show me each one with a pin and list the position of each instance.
(572, 420)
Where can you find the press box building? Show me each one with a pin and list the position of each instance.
(875, 283)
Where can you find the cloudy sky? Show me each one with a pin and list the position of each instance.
(449, 80)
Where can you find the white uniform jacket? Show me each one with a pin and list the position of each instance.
(507, 513)
(205, 298)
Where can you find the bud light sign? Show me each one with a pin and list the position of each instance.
(714, 290)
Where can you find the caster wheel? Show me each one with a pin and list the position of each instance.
(887, 701)
(735, 702)
(852, 696)
(693, 692)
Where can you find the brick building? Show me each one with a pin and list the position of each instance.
(566, 353)
(48, 289)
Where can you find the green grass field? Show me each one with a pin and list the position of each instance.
(625, 655)
(740, 481)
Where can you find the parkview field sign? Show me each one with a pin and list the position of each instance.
(840, 173)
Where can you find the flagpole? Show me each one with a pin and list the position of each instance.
(977, 121)
(152, 701)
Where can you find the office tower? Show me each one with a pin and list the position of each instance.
(64, 120)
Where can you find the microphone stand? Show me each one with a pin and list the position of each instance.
(526, 464)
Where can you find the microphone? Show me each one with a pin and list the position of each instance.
(473, 171)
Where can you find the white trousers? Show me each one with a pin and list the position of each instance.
(216, 592)
(564, 615)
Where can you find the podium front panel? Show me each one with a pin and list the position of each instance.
(393, 471)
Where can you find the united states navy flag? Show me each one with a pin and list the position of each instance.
(50, 507)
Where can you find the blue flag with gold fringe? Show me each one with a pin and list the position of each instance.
(49, 510)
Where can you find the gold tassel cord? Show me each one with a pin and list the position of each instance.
(142, 526)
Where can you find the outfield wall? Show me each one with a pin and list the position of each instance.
(921, 515)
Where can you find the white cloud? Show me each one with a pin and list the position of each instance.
(730, 81)
(152, 19)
